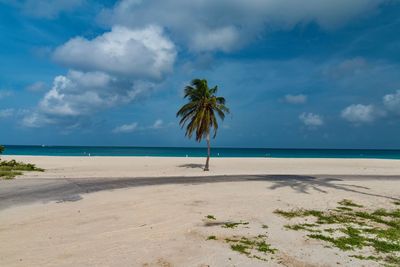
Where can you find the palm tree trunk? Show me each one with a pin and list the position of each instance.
(206, 168)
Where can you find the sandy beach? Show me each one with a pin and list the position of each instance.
(106, 167)
(138, 211)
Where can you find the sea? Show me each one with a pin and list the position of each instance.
(44, 150)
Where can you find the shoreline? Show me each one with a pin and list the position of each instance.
(179, 157)
(197, 152)
(139, 166)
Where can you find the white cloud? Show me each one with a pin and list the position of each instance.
(113, 69)
(144, 53)
(228, 24)
(133, 127)
(5, 113)
(81, 94)
(295, 99)
(311, 119)
(126, 128)
(223, 39)
(77, 93)
(36, 120)
(158, 124)
(5, 93)
(36, 87)
(392, 102)
(358, 113)
(49, 9)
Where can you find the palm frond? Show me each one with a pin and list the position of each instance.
(198, 114)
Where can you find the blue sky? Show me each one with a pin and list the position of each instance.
(323, 74)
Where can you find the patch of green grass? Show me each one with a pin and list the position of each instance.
(385, 213)
(233, 224)
(259, 258)
(344, 208)
(376, 217)
(322, 217)
(391, 233)
(211, 217)
(290, 214)
(302, 226)
(7, 175)
(255, 247)
(240, 248)
(18, 166)
(392, 260)
(354, 230)
(385, 246)
(361, 257)
(355, 238)
(351, 241)
(349, 203)
(264, 247)
(12, 168)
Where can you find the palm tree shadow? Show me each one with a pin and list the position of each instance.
(71, 189)
(304, 184)
(192, 166)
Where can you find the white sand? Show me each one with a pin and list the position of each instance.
(80, 167)
(165, 226)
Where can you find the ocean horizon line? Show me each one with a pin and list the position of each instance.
(202, 147)
(222, 152)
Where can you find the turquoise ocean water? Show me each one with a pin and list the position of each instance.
(199, 152)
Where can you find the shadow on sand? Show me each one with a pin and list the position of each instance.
(27, 191)
(192, 166)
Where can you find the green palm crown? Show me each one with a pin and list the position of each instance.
(199, 112)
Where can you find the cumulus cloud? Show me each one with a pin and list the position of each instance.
(295, 99)
(126, 128)
(113, 69)
(311, 120)
(229, 24)
(6, 113)
(122, 51)
(81, 94)
(358, 113)
(392, 102)
(49, 9)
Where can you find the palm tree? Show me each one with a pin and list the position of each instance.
(199, 112)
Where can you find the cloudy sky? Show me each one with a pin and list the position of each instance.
(320, 74)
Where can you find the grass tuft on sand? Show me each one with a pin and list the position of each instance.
(349, 203)
(375, 234)
(10, 169)
(255, 247)
(233, 224)
(211, 217)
